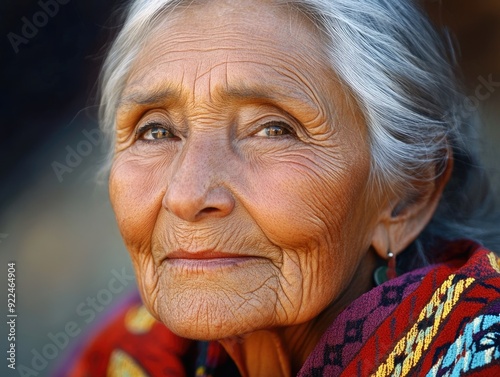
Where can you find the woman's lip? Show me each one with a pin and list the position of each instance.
(206, 261)
(203, 254)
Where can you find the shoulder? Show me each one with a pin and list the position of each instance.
(130, 342)
(439, 320)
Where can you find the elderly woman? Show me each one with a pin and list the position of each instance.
(271, 161)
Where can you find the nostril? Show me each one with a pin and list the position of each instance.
(207, 212)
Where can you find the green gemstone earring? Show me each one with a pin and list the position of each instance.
(386, 273)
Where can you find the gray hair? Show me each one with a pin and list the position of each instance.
(401, 75)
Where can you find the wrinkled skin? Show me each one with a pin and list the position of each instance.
(234, 135)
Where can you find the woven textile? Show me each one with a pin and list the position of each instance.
(438, 321)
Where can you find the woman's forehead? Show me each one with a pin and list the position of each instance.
(242, 51)
(209, 35)
(256, 16)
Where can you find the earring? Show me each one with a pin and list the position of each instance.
(386, 273)
(391, 266)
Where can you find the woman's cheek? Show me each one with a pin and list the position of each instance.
(136, 191)
(147, 281)
(295, 205)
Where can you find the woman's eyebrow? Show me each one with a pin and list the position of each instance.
(268, 94)
(164, 95)
(293, 102)
(148, 98)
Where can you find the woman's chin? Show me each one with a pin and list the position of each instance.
(209, 317)
(206, 307)
(195, 332)
(204, 327)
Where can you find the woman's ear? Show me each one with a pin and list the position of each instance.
(400, 223)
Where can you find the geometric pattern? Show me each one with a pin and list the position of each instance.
(349, 331)
(442, 320)
(409, 349)
(332, 355)
(478, 346)
(392, 294)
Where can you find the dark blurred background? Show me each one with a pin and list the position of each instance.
(55, 222)
(48, 75)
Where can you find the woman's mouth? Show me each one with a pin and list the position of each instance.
(206, 259)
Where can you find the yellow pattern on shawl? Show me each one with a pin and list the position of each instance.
(417, 341)
(122, 364)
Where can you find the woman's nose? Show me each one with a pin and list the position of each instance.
(196, 189)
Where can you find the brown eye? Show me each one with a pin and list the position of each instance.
(273, 129)
(155, 132)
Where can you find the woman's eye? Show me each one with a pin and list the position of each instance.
(274, 129)
(155, 132)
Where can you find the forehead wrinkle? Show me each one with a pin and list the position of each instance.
(231, 42)
(219, 41)
(148, 97)
(289, 18)
(291, 81)
(244, 92)
(211, 38)
(306, 94)
(152, 97)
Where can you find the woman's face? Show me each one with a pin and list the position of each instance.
(240, 175)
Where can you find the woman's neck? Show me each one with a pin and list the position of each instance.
(281, 352)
